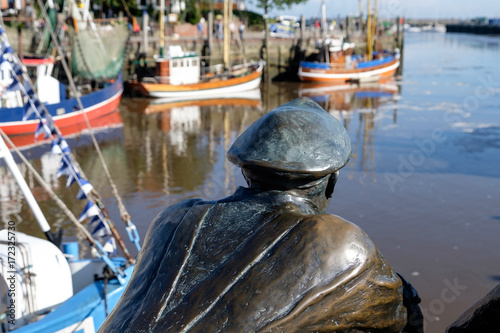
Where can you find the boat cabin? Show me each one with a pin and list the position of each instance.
(178, 67)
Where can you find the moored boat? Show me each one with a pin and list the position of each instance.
(179, 75)
(65, 113)
(343, 66)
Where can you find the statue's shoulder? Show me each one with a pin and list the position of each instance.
(166, 222)
(174, 213)
(345, 238)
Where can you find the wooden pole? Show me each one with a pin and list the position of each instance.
(266, 23)
(210, 31)
(227, 37)
(162, 27)
(369, 42)
(145, 24)
(323, 19)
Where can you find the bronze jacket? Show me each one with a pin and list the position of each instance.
(258, 262)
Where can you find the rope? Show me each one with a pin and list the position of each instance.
(49, 190)
(123, 211)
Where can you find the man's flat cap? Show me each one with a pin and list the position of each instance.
(297, 139)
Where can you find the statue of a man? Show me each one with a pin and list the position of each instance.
(268, 258)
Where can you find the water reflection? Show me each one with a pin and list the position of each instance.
(168, 150)
(357, 107)
(108, 131)
(181, 142)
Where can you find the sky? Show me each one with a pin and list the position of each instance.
(458, 9)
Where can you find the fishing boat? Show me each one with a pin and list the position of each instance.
(337, 63)
(107, 126)
(343, 66)
(97, 103)
(180, 73)
(99, 83)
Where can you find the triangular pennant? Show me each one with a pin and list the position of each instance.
(64, 169)
(101, 230)
(85, 188)
(42, 129)
(110, 246)
(28, 110)
(64, 146)
(14, 85)
(28, 89)
(71, 178)
(89, 211)
(55, 149)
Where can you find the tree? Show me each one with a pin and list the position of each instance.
(278, 4)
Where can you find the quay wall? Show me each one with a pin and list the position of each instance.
(474, 29)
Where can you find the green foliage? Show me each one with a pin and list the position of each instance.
(192, 14)
(277, 4)
(118, 6)
(251, 19)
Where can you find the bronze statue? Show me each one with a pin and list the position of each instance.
(268, 258)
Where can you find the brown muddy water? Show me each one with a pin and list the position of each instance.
(423, 182)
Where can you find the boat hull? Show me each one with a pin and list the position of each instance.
(84, 312)
(337, 75)
(242, 83)
(66, 113)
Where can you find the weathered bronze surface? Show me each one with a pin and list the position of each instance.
(268, 258)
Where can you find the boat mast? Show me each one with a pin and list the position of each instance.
(323, 19)
(228, 18)
(369, 37)
(162, 27)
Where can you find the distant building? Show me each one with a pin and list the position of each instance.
(173, 6)
(177, 6)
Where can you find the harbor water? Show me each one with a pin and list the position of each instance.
(423, 181)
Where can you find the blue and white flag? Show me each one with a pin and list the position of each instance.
(72, 177)
(99, 228)
(42, 128)
(64, 169)
(32, 106)
(110, 246)
(90, 210)
(85, 188)
(55, 149)
(64, 146)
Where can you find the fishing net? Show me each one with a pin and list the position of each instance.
(100, 53)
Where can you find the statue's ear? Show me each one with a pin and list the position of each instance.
(331, 184)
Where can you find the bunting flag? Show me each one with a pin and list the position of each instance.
(64, 169)
(99, 228)
(55, 149)
(72, 177)
(18, 80)
(110, 246)
(64, 146)
(42, 128)
(89, 211)
(85, 188)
